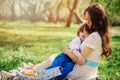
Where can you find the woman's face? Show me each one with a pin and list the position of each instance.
(87, 16)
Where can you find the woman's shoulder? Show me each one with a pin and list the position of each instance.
(93, 38)
(95, 35)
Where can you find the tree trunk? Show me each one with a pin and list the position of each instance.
(58, 9)
(25, 14)
(32, 9)
(50, 17)
(13, 15)
(79, 20)
(68, 23)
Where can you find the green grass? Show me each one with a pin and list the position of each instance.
(31, 42)
(109, 68)
(116, 28)
(35, 42)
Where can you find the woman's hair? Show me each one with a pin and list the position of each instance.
(83, 27)
(100, 23)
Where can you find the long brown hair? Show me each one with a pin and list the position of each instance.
(100, 23)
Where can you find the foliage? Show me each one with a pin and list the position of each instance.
(27, 42)
(53, 10)
(112, 8)
(109, 68)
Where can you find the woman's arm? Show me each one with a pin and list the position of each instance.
(71, 55)
(78, 57)
(85, 52)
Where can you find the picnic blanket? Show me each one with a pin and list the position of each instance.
(45, 74)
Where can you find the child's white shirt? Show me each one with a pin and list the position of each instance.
(75, 44)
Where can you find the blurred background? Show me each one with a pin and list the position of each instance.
(54, 10)
(33, 30)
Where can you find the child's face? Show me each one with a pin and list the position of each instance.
(83, 34)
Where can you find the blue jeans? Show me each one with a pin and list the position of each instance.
(65, 63)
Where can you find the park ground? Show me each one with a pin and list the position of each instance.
(36, 42)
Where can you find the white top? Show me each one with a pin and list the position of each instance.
(86, 72)
(75, 44)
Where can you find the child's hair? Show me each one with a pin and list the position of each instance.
(83, 27)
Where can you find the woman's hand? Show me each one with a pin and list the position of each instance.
(75, 51)
(66, 50)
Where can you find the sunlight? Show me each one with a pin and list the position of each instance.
(19, 5)
(17, 8)
(33, 30)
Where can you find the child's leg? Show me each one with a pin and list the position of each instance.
(59, 60)
(67, 68)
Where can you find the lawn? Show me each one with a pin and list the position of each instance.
(35, 42)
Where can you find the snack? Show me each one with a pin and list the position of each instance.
(28, 72)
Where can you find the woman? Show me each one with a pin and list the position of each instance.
(97, 44)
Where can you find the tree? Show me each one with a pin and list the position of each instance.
(29, 12)
(112, 8)
(72, 12)
(58, 9)
(13, 15)
(1, 2)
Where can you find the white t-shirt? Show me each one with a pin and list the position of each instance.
(86, 72)
(75, 44)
